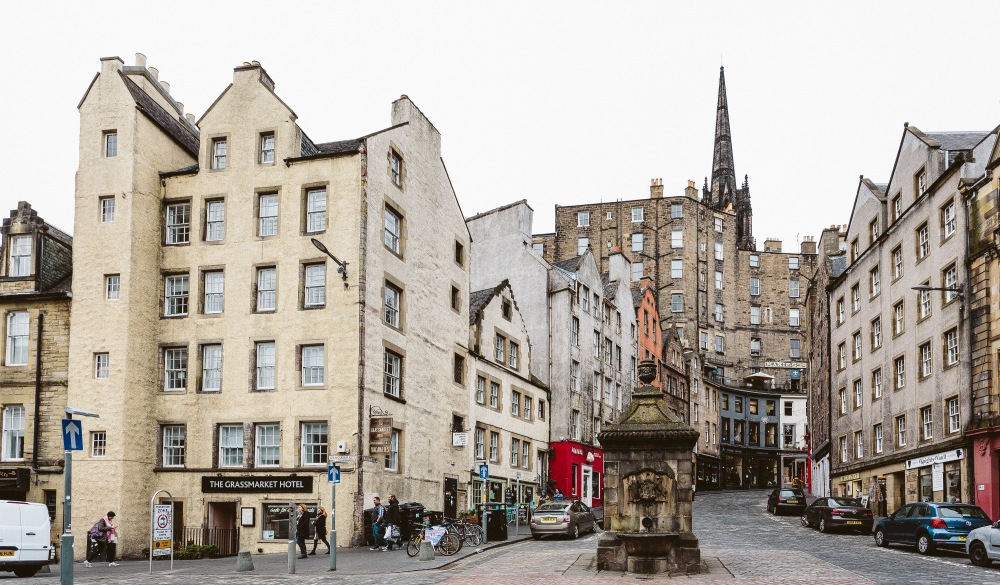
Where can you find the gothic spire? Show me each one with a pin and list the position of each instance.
(723, 169)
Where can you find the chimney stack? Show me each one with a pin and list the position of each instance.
(772, 245)
(691, 192)
(656, 189)
(808, 245)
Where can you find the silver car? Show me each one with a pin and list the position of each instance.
(983, 545)
(568, 518)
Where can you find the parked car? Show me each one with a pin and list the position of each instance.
(983, 545)
(24, 537)
(930, 525)
(788, 498)
(568, 518)
(829, 513)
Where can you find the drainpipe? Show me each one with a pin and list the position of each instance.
(37, 438)
(359, 497)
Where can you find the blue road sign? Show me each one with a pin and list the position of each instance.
(333, 473)
(72, 435)
(484, 471)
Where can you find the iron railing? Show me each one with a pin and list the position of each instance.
(226, 539)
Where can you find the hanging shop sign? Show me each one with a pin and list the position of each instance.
(380, 435)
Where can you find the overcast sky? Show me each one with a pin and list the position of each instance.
(553, 102)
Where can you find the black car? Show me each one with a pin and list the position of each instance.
(788, 498)
(829, 513)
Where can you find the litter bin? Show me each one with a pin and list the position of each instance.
(496, 524)
(411, 518)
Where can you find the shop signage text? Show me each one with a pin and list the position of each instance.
(380, 435)
(926, 460)
(16, 479)
(786, 364)
(213, 484)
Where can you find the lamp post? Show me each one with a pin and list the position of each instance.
(341, 265)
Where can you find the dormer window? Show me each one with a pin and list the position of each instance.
(20, 256)
(219, 153)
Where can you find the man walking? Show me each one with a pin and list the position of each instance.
(378, 519)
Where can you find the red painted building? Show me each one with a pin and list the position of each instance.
(578, 471)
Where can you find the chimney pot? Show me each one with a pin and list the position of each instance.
(180, 107)
(246, 63)
(166, 86)
(140, 60)
(189, 117)
(255, 62)
(154, 72)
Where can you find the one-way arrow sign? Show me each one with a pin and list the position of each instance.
(72, 435)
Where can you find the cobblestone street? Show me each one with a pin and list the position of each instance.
(740, 543)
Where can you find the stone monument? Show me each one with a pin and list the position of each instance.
(647, 487)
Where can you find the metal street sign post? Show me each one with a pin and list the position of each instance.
(161, 529)
(333, 476)
(72, 441)
(484, 474)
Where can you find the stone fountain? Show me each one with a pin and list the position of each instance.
(647, 487)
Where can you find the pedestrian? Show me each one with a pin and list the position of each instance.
(101, 534)
(558, 495)
(320, 526)
(378, 519)
(392, 524)
(302, 529)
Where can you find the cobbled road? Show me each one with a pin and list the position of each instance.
(740, 543)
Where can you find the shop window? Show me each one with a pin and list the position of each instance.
(274, 520)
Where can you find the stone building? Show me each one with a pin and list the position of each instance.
(36, 263)
(508, 407)
(650, 332)
(899, 329)
(276, 301)
(830, 263)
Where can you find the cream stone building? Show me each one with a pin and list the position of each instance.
(262, 302)
(35, 274)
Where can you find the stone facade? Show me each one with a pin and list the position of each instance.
(241, 347)
(896, 352)
(35, 274)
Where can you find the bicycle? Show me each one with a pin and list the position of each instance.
(447, 545)
(466, 531)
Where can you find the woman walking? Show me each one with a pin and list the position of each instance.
(320, 530)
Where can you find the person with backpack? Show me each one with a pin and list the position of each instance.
(104, 534)
(378, 521)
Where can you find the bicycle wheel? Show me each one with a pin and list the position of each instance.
(413, 546)
(449, 544)
(474, 534)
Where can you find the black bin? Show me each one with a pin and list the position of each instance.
(496, 524)
(411, 519)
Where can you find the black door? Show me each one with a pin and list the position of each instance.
(451, 497)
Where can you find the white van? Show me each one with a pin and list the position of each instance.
(24, 537)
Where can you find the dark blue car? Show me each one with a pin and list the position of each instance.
(929, 525)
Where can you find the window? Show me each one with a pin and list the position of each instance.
(495, 395)
(215, 221)
(754, 315)
(178, 223)
(677, 303)
(919, 183)
(898, 318)
(102, 365)
(754, 286)
(267, 148)
(719, 251)
(843, 400)
(110, 143)
(315, 210)
(901, 430)
(950, 282)
(315, 285)
(793, 288)
(499, 347)
(637, 271)
(794, 349)
(676, 211)
(840, 310)
(527, 410)
(873, 231)
(174, 445)
(854, 250)
(574, 376)
(515, 403)
(638, 214)
(720, 344)
(17, 339)
(315, 437)
(597, 344)
(211, 368)
(219, 148)
(926, 423)
(267, 283)
(793, 317)
(788, 408)
(718, 224)
(874, 282)
(231, 446)
(268, 214)
(480, 390)
(480, 441)
(494, 446)
(793, 262)
(13, 433)
(925, 360)
(313, 358)
(574, 425)
(718, 280)
(392, 223)
(581, 245)
(842, 356)
(948, 220)
(877, 434)
(458, 369)
(268, 446)
(923, 242)
(924, 303)
(396, 168)
(512, 355)
(107, 209)
(214, 288)
(752, 405)
(754, 261)
(877, 383)
(515, 452)
(951, 347)
(392, 371)
(755, 346)
(175, 301)
(897, 262)
(719, 312)
(676, 238)
(574, 332)
(98, 443)
(582, 219)
(859, 448)
(856, 297)
(858, 394)
(843, 449)
(856, 345)
(676, 269)
(175, 368)
(703, 339)
(265, 365)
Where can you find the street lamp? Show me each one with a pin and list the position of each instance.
(341, 266)
(959, 292)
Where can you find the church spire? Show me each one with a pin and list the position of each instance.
(723, 169)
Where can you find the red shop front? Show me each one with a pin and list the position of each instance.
(578, 471)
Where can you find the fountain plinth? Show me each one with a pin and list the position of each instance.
(648, 462)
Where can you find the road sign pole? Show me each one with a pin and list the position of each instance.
(66, 541)
(333, 526)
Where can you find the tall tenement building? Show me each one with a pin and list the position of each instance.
(738, 307)
(249, 302)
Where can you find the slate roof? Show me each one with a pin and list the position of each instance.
(570, 264)
(478, 300)
(637, 294)
(838, 264)
(957, 140)
(610, 286)
(167, 122)
(188, 170)
(339, 147)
